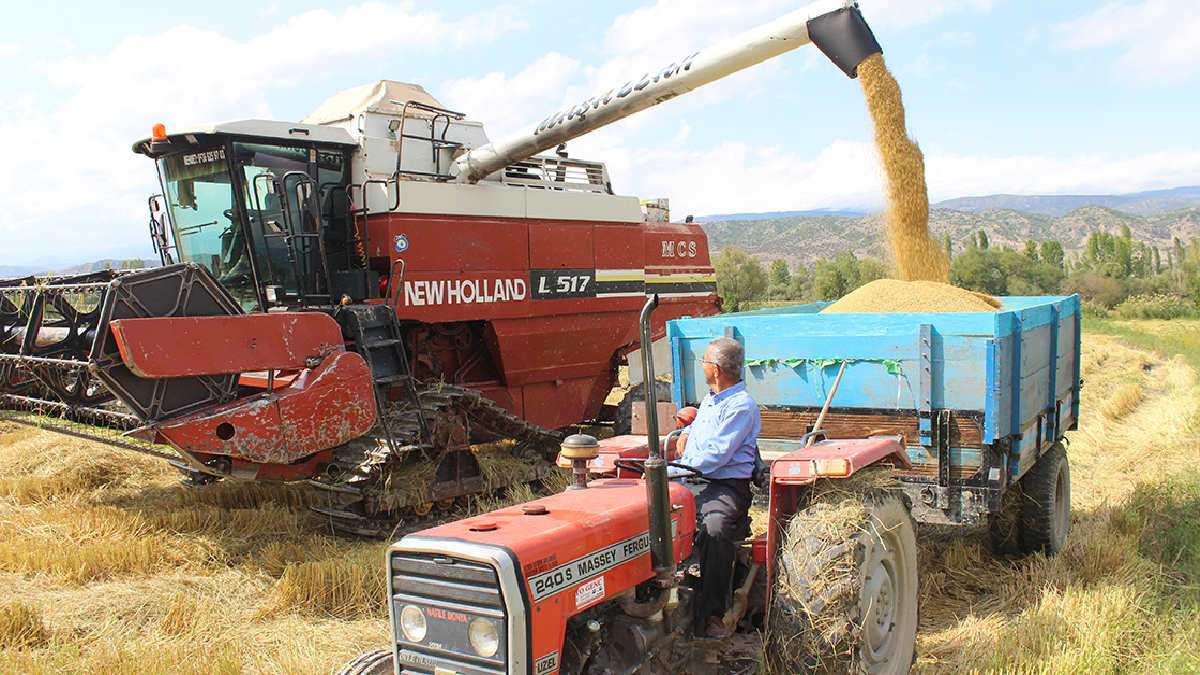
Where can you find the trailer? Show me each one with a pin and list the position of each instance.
(978, 398)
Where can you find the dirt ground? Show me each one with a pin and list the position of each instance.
(107, 565)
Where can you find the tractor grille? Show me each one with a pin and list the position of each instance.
(451, 593)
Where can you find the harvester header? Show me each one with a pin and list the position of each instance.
(835, 26)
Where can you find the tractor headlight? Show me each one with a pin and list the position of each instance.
(485, 640)
(412, 622)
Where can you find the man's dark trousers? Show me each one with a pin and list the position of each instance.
(722, 507)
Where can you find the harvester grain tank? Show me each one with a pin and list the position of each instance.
(356, 299)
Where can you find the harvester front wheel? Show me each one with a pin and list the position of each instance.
(374, 662)
(846, 587)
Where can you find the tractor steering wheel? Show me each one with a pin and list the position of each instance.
(637, 465)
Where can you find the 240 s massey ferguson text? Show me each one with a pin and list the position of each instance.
(375, 288)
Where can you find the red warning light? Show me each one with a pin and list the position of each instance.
(158, 132)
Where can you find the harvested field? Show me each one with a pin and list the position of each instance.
(128, 572)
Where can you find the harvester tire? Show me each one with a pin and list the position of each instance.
(374, 662)
(1046, 508)
(635, 396)
(846, 591)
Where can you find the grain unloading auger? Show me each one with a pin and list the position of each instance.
(356, 299)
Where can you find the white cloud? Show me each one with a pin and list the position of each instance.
(77, 173)
(9, 49)
(505, 102)
(907, 13)
(1157, 38)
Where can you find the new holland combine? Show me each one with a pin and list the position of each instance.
(373, 290)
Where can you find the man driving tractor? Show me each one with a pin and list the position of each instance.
(721, 444)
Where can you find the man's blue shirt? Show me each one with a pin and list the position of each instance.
(722, 438)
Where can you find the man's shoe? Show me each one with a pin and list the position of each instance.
(715, 628)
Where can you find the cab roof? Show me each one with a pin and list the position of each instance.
(291, 131)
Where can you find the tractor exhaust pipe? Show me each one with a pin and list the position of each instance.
(835, 26)
(662, 544)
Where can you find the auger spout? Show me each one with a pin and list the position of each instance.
(835, 26)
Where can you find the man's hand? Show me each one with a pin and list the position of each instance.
(680, 444)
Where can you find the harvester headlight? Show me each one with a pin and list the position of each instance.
(412, 622)
(485, 639)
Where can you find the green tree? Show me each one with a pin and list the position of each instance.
(1031, 250)
(983, 240)
(801, 284)
(949, 246)
(1052, 252)
(740, 278)
(779, 281)
(827, 281)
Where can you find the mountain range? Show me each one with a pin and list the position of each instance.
(1156, 217)
(800, 239)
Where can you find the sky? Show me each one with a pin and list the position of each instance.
(1004, 96)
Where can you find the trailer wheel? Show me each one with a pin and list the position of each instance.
(374, 662)
(845, 597)
(1046, 507)
(1004, 526)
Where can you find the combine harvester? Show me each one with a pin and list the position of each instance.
(356, 299)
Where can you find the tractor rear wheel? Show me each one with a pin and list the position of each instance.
(374, 662)
(845, 598)
(1046, 509)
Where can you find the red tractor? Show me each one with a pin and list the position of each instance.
(356, 299)
(593, 581)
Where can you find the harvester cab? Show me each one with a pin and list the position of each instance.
(264, 207)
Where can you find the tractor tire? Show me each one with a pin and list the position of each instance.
(374, 662)
(846, 594)
(1046, 507)
(635, 396)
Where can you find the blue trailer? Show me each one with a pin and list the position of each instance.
(978, 398)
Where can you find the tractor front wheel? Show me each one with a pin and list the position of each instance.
(374, 662)
(845, 598)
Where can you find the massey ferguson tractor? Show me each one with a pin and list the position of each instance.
(349, 299)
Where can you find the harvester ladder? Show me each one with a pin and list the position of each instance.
(377, 337)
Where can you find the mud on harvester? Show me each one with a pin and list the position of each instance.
(356, 299)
